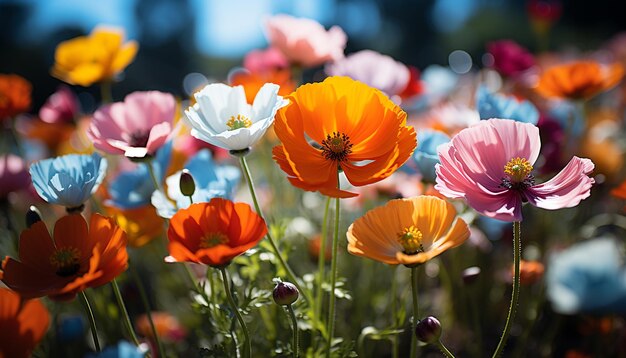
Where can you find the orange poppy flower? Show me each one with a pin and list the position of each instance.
(213, 233)
(252, 82)
(78, 258)
(141, 225)
(23, 324)
(407, 231)
(579, 80)
(530, 272)
(352, 126)
(85, 60)
(14, 95)
(167, 326)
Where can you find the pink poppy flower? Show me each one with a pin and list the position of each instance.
(509, 58)
(262, 61)
(136, 127)
(305, 42)
(490, 165)
(13, 174)
(60, 107)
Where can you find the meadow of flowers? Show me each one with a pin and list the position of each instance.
(376, 211)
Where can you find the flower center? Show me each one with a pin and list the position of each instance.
(139, 139)
(336, 147)
(213, 239)
(411, 240)
(518, 174)
(66, 261)
(240, 121)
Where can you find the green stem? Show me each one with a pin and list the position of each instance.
(247, 344)
(92, 321)
(294, 323)
(415, 311)
(517, 252)
(321, 262)
(443, 349)
(146, 305)
(155, 181)
(106, 94)
(290, 273)
(125, 317)
(333, 282)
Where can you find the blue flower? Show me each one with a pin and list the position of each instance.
(68, 180)
(588, 277)
(211, 181)
(122, 350)
(133, 189)
(425, 155)
(493, 105)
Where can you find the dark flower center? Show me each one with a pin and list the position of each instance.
(139, 139)
(336, 147)
(66, 261)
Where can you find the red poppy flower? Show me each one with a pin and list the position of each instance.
(23, 324)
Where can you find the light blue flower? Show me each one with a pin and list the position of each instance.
(133, 189)
(211, 181)
(588, 277)
(122, 350)
(493, 105)
(425, 156)
(68, 180)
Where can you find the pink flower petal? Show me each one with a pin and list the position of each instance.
(158, 136)
(566, 189)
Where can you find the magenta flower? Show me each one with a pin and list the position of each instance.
(509, 58)
(136, 127)
(374, 69)
(490, 165)
(60, 107)
(13, 174)
(262, 61)
(305, 42)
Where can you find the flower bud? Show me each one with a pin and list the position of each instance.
(285, 293)
(187, 184)
(32, 216)
(428, 330)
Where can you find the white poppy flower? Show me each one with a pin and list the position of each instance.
(222, 117)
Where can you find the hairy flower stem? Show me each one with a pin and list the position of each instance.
(146, 305)
(321, 264)
(92, 321)
(247, 352)
(443, 349)
(415, 311)
(290, 273)
(333, 282)
(517, 252)
(294, 323)
(125, 317)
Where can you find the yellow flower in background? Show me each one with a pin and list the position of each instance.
(141, 225)
(85, 60)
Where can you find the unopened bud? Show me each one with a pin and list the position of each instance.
(428, 330)
(32, 216)
(187, 185)
(285, 293)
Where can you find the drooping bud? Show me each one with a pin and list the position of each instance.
(285, 293)
(428, 330)
(187, 184)
(32, 216)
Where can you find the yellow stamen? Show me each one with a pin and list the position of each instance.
(411, 240)
(66, 261)
(240, 121)
(518, 169)
(213, 239)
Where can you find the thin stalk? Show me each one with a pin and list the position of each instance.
(443, 349)
(155, 181)
(415, 311)
(290, 273)
(146, 305)
(333, 282)
(106, 94)
(517, 252)
(92, 321)
(247, 353)
(294, 323)
(321, 262)
(125, 317)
